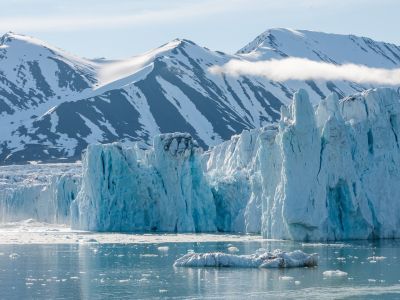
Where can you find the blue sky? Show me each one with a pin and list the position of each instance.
(123, 28)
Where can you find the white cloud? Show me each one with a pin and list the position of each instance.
(305, 69)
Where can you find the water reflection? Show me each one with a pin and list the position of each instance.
(95, 271)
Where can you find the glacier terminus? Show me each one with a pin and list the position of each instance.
(323, 172)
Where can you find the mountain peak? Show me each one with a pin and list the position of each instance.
(8, 37)
(269, 37)
(179, 42)
(11, 36)
(278, 43)
(26, 43)
(281, 30)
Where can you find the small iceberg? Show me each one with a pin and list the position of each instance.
(13, 256)
(286, 278)
(274, 259)
(376, 258)
(233, 249)
(163, 248)
(334, 273)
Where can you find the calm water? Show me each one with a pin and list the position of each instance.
(140, 271)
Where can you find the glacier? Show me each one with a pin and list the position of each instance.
(337, 168)
(132, 189)
(323, 172)
(40, 192)
(329, 172)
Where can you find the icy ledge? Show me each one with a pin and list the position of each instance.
(275, 259)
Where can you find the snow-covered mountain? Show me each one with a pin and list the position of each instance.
(53, 104)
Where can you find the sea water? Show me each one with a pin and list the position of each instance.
(145, 271)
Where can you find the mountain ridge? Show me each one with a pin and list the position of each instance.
(53, 103)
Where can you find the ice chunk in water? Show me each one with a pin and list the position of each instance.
(334, 273)
(275, 259)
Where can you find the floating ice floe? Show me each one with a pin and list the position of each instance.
(13, 256)
(334, 273)
(286, 278)
(148, 255)
(376, 258)
(163, 248)
(233, 249)
(275, 259)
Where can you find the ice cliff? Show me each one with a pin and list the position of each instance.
(324, 173)
(328, 172)
(130, 189)
(40, 192)
(337, 169)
